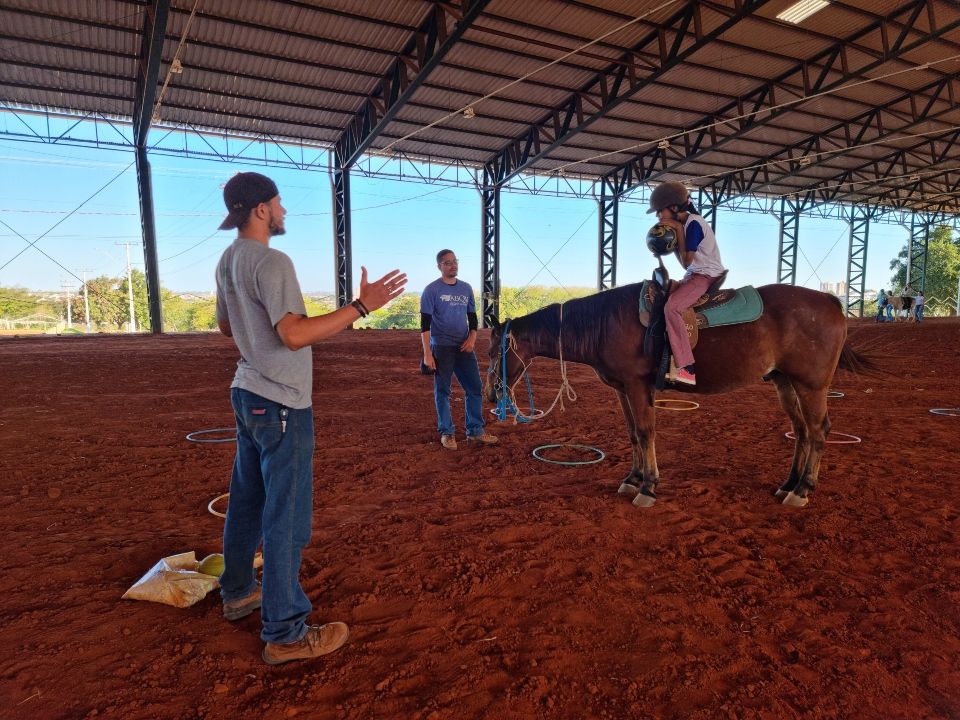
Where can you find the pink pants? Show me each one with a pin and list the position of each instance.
(683, 296)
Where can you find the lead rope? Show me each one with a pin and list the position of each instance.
(564, 382)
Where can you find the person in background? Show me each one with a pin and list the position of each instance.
(448, 333)
(881, 305)
(260, 305)
(918, 304)
(699, 255)
(908, 295)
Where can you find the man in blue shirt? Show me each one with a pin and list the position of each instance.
(448, 329)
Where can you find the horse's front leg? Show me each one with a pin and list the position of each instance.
(637, 404)
(632, 482)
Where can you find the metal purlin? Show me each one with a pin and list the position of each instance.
(789, 233)
(490, 248)
(609, 210)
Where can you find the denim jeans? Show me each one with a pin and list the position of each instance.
(918, 312)
(271, 499)
(451, 361)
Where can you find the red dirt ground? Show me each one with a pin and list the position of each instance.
(483, 583)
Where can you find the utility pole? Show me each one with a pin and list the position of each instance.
(133, 317)
(67, 287)
(86, 300)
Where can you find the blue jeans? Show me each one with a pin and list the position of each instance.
(271, 499)
(451, 361)
(918, 312)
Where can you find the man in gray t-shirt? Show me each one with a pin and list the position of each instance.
(260, 305)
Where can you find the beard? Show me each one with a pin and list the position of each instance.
(276, 226)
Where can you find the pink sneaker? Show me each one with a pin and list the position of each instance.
(685, 377)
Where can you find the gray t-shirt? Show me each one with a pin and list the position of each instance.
(256, 288)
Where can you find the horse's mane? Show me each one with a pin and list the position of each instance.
(585, 320)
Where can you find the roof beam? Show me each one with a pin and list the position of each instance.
(761, 105)
(880, 123)
(438, 33)
(679, 38)
(148, 68)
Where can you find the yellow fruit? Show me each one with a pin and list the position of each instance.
(212, 565)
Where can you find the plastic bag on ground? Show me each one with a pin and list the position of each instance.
(173, 581)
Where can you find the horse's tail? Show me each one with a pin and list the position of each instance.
(860, 363)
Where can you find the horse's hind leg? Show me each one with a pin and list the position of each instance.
(813, 405)
(632, 482)
(791, 406)
(640, 402)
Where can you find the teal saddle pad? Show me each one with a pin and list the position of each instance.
(746, 305)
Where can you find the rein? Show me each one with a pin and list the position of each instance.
(507, 402)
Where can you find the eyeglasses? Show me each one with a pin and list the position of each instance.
(450, 263)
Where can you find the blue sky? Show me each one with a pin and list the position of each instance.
(395, 224)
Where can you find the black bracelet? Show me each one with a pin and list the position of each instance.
(362, 306)
(358, 306)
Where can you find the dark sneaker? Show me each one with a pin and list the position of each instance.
(319, 640)
(237, 609)
(685, 377)
(483, 438)
(449, 442)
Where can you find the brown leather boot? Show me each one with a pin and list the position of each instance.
(319, 640)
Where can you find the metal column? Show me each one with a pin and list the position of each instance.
(490, 248)
(609, 203)
(857, 258)
(789, 233)
(148, 72)
(343, 253)
(149, 228)
(917, 251)
(707, 201)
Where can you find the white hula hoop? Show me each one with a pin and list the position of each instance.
(678, 404)
(851, 439)
(214, 502)
(949, 412)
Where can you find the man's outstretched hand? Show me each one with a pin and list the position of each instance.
(374, 295)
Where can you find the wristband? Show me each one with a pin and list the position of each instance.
(359, 307)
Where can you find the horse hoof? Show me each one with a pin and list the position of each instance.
(627, 489)
(781, 494)
(643, 501)
(795, 500)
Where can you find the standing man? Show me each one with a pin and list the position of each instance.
(698, 253)
(260, 305)
(918, 306)
(448, 330)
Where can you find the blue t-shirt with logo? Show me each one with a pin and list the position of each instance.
(448, 306)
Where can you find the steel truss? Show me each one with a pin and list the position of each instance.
(490, 249)
(789, 236)
(609, 205)
(859, 220)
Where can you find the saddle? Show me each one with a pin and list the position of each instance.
(714, 308)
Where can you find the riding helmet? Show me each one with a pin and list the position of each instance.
(667, 194)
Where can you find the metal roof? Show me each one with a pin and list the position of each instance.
(858, 103)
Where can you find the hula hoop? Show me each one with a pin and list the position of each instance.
(212, 502)
(834, 394)
(193, 437)
(600, 454)
(949, 412)
(535, 415)
(852, 439)
(679, 405)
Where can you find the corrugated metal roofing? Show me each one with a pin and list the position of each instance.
(855, 86)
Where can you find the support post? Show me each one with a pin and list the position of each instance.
(859, 220)
(490, 248)
(343, 252)
(917, 251)
(789, 233)
(148, 226)
(609, 202)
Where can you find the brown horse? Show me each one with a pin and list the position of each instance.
(797, 343)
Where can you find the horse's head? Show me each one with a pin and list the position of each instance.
(516, 361)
